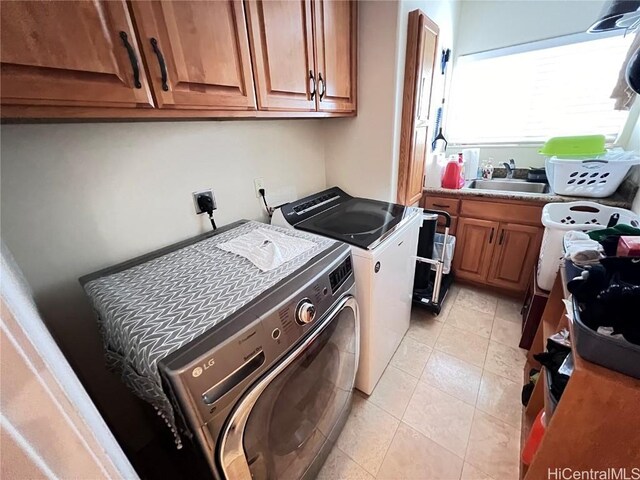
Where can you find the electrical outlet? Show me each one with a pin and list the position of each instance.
(258, 183)
(208, 193)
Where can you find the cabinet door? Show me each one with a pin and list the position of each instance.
(474, 248)
(281, 39)
(335, 28)
(422, 41)
(71, 53)
(197, 53)
(515, 255)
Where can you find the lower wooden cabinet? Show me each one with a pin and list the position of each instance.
(497, 242)
(515, 253)
(474, 248)
(498, 254)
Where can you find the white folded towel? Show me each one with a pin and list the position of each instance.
(267, 249)
(581, 249)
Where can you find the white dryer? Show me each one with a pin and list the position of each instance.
(383, 238)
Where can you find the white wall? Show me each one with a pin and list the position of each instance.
(362, 154)
(80, 197)
(489, 24)
(69, 439)
(359, 151)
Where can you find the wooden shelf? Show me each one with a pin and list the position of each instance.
(595, 425)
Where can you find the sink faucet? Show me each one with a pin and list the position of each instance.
(511, 166)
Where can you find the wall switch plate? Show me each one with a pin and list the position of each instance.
(208, 193)
(258, 183)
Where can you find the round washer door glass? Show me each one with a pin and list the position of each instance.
(291, 420)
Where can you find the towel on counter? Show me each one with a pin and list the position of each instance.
(267, 249)
(581, 249)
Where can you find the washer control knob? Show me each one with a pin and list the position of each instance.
(305, 312)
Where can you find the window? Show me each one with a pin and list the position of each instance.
(528, 93)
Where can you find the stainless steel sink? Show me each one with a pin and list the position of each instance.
(504, 185)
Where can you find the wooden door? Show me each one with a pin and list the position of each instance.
(197, 53)
(71, 53)
(335, 33)
(281, 39)
(515, 254)
(474, 248)
(422, 42)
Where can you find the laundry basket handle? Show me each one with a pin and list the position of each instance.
(585, 207)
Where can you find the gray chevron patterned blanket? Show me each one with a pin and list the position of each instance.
(154, 308)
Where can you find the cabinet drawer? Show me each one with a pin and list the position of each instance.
(452, 228)
(502, 212)
(449, 205)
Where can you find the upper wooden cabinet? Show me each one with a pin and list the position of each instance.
(335, 27)
(281, 35)
(304, 54)
(179, 59)
(422, 42)
(197, 53)
(71, 53)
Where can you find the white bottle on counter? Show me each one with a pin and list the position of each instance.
(471, 158)
(433, 170)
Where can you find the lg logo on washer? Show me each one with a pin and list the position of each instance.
(196, 372)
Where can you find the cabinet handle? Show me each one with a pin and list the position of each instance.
(440, 206)
(132, 58)
(491, 235)
(163, 66)
(501, 237)
(313, 84)
(321, 82)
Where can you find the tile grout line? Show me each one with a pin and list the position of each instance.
(462, 359)
(384, 457)
(432, 440)
(386, 450)
(466, 448)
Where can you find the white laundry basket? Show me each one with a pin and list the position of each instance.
(559, 218)
(595, 177)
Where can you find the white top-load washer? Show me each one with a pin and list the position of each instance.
(384, 239)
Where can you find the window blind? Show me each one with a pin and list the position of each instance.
(529, 93)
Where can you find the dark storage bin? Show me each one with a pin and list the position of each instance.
(616, 354)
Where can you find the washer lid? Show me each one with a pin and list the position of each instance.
(357, 221)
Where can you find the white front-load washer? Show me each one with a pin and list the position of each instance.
(384, 239)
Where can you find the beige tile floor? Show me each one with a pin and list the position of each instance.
(448, 405)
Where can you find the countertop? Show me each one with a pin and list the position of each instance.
(622, 198)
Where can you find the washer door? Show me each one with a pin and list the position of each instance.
(280, 425)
